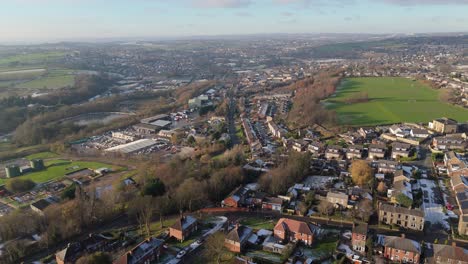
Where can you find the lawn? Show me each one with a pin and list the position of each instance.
(42, 155)
(391, 100)
(53, 80)
(258, 223)
(58, 168)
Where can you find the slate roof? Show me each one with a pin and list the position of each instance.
(451, 252)
(401, 210)
(361, 229)
(402, 244)
(184, 222)
(294, 226)
(239, 234)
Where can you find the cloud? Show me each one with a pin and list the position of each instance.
(243, 14)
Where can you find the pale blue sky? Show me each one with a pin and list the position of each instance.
(52, 20)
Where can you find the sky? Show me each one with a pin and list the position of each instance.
(56, 20)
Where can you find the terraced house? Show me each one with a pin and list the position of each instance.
(400, 216)
(401, 249)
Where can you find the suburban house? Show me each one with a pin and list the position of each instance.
(400, 249)
(441, 254)
(377, 151)
(419, 133)
(401, 186)
(354, 152)
(315, 148)
(444, 125)
(459, 183)
(236, 240)
(299, 145)
(400, 150)
(456, 164)
(400, 131)
(333, 152)
(387, 166)
(145, 252)
(338, 198)
(275, 130)
(450, 142)
(183, 227)
(359, 237)
(237, 198)
(400, 216)
(273, 203)
(462, 201)
(69, 255)
(294, 231)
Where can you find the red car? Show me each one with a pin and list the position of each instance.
(449, 206)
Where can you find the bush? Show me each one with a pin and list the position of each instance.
(69, 192)
(154, 187)
(20, 185)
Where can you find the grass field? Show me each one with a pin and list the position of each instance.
(391, 100)
(42, 155)
(258, 223)
(30, 58)
(58, 168)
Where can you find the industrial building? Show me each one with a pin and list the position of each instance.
(133, 146)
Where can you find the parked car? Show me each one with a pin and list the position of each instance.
(181, 254)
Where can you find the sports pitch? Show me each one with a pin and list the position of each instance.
(391, 100)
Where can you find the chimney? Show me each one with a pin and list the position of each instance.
(403, 235)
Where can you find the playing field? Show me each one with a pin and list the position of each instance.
(58, 168)
(391, 100)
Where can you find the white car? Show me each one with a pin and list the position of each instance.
(181, 254)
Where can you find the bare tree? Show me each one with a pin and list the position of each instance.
(325, 208)
(214, 247)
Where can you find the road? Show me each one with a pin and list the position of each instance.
(231, 117)
(190, 256)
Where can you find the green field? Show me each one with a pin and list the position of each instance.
(33, 58)
(391, 100)
(42, 155)
(58, 168)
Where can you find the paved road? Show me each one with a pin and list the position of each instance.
(231, 117)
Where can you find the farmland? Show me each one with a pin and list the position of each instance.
(390, 100)
(24, 73)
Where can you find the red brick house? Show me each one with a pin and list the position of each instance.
(236, 240)
(183, 227)
(292, 230)
(237, 198)
(145, 252)
(359, 237)
(401, 249)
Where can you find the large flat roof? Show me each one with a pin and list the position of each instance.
(133, 146)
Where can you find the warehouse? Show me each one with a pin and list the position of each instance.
(133, 146)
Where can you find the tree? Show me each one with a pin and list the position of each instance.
(325, 208)
(142, 209)
(382, 187)
(20, 185)
(303, 208)
(154, 187)
(361, 172)
(69, 192)
(214, 247)
(95, 258)
(404, 200)
(365, 209)
(310, 198)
